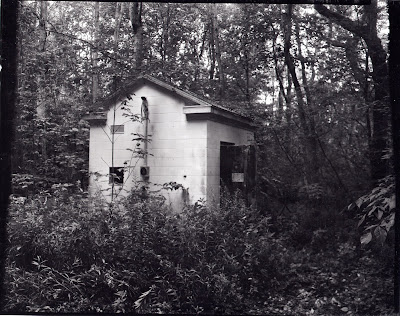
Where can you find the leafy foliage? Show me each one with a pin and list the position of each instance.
(203, 259)
(141, 257)
(376, 211)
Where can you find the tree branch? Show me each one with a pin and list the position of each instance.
(341, 20)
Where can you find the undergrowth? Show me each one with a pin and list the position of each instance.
(68, 253)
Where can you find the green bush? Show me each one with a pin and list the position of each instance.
(72, 254)
(376, 211)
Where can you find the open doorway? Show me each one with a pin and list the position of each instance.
(238, 169)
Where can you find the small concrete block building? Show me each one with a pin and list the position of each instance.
(153, 133)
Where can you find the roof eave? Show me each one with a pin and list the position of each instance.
(220, 115)
(97, 118)
(190, 99)
(187, 96)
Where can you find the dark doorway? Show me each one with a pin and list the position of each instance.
(238, 169)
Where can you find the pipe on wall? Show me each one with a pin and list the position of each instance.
(145, 117)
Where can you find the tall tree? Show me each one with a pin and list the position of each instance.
(95, 70)
(135, 14)
(41, 82)
(307, 124)
(367, 30)
(216, 49)
(119, 9)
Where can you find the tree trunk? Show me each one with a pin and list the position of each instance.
(95, 70)
(195, 83)
(135, 13)
(42, 26)
(164, 40)
(311, 165)
(368, 32)
(289, 100)
(359, 74)
(119, 9)
(41, 107)
(313, 138)
(279, 115)
(215, 36)
(212, 50)
(282, 95)
(286, 95)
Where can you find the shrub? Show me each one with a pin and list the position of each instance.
(376, 211)
(73, 254)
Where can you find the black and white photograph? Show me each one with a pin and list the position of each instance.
(200, 158)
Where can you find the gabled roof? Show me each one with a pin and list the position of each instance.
(197, 107)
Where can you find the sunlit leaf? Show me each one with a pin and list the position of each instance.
(361, 220)
(366, 238)
(373, 209)
(359, 202)
(392, 202)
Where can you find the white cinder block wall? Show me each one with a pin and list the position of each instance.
(217, 133)
(177, 151)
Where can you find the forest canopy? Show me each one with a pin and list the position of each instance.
(313, 78)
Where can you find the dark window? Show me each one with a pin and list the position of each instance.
(117, 174)
(117, 129)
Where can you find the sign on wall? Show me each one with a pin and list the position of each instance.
(237, 177)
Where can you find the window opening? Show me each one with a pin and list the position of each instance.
(116, 175)
(227, 144)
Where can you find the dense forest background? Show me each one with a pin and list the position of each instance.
(315, 80)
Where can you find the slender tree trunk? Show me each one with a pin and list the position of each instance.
(367, 101)
(42, 26)
(313, 73)
(212, 51)
(164, 40)
(195, 83)
(281, 95)
(313, 138)
(303, 67)
(280, 105)
(215, 31)
(41, 107)
(95, 70)
(20, 151)
(311, 164)
(289, 100)
(119, 9)
(135, 13)
(247, 76)
(286, 95)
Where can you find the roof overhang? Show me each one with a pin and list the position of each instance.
(218, 114)
(196, 107)
(96, 118)
(127, 89)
